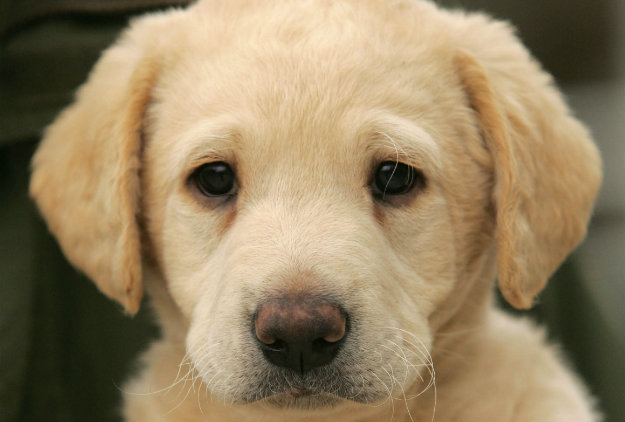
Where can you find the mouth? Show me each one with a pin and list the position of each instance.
(297, 393)
(303, 399)
(320, 388)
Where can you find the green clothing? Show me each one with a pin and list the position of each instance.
(65, 349)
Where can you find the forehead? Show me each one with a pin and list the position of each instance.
(326, 89)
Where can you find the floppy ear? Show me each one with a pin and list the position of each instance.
(85, 173)
(547, 170)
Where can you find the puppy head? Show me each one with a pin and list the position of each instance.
(282, 161)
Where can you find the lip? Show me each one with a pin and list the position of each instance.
(326, 386)
(296, 393)
(303, 398)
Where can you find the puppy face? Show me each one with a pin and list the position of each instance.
(354, 162)
(305, 216)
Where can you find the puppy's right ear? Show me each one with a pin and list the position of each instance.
(85, 173)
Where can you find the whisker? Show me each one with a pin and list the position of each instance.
(424, 352)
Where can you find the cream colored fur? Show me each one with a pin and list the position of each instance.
(303, 98)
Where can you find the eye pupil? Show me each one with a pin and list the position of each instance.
(215, 179)
(394, 178)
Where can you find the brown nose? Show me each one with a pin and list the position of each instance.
(300, 333)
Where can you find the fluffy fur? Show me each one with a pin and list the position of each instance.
(303, 99)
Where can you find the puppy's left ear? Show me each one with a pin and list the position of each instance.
(85, 176)
(547, 170)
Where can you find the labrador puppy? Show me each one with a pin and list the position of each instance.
(318, 197)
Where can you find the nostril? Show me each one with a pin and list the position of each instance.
(324, 347)
(276, 346)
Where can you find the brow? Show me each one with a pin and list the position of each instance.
(398, 139)
(209, 141)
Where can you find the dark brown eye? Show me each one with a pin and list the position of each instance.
(394, 178)
(215, 179)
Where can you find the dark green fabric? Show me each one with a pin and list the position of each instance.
(18, 13)
(48, 46)
(587, 343)
(42, 65)
(64, 348)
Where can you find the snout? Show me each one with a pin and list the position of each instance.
(300, 333)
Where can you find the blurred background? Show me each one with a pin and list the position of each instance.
(65, 348)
